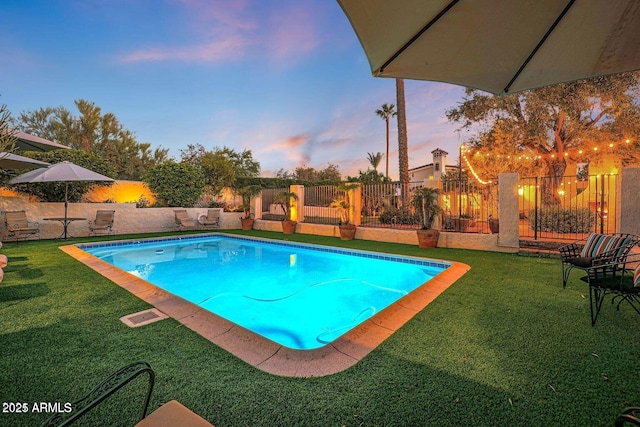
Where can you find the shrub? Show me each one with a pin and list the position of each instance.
(563, 220)
(175, 184)
(397, 216)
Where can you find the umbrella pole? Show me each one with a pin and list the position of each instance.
(66, 202)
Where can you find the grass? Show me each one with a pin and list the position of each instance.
(505, 345)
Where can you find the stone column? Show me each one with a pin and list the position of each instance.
(256, 206)
(297, 206)
(355, 205)
(629, 201)
(509, 235)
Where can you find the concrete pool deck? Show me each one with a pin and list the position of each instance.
(267, 355)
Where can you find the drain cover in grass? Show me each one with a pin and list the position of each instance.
(143, 317)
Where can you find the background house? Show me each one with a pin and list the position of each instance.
(432, 171)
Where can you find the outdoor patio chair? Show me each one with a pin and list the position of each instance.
(618, 276)
(103, 224)
(18, 227)
(582, 254)
(171, 413)
(211, 219)
(630, 416)
(183, 222)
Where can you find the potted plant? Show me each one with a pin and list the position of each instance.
(425, 200)
(347, 230)
(284, 199)
(462, 222)
(494, 225)
(247, 193)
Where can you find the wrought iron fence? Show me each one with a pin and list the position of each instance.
(270, 210)
(469, 206)
(567, 207)
(388, 206)
(316, 204)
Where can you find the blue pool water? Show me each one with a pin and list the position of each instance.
(300, 296)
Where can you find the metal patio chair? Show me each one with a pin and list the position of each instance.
(183, 221)
(17, 226)
(103, 224)
(583, 254)
(618, 276)
(211, 219)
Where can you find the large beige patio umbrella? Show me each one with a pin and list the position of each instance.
(499, 46)
(60, 172)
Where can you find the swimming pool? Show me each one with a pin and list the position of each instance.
(299, 296)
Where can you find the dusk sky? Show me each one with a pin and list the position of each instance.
(286, 79)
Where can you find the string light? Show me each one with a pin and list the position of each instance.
(567, 154)
(473, 172)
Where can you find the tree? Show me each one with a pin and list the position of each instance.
(403, 145)
(175, 184)
(7, 139)
(306, 173)
(370, 176)
(374, 159)
(7, 134)
(386, 112)
(93, 132)
(577, 121)
(221, 167)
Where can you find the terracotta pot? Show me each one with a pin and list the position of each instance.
(494, 226)
(428, 239)
(347, 231)
(461, 224)
(289, 227)
(247, 223)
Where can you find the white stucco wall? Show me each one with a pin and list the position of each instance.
(128, 218)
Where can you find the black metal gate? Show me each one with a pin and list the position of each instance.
(568, 207)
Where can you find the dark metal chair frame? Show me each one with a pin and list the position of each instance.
(106, 388)
(572, 257)
(612, 276)
(629, 416)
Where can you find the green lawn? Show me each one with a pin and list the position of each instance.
(505, 345)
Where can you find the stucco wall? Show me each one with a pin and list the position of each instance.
(128, 218)
(630, 201)
(485, 242)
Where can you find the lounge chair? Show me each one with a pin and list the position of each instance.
(103, 224)
(617, 276)
(583, 254)
(183, 222)
(171, 413)
(211, 219)
(17, 226)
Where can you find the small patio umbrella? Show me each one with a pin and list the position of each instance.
(499, 46)
(10, 161)
(60, 172)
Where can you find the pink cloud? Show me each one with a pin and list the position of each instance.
(223, 30)
(292, 32)
(229, 13)
(210, 52)
(293, 142)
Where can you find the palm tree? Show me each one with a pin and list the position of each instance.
(403, 144)
(386, 112)
(374, 159)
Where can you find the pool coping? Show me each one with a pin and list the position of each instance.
(263, 353)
